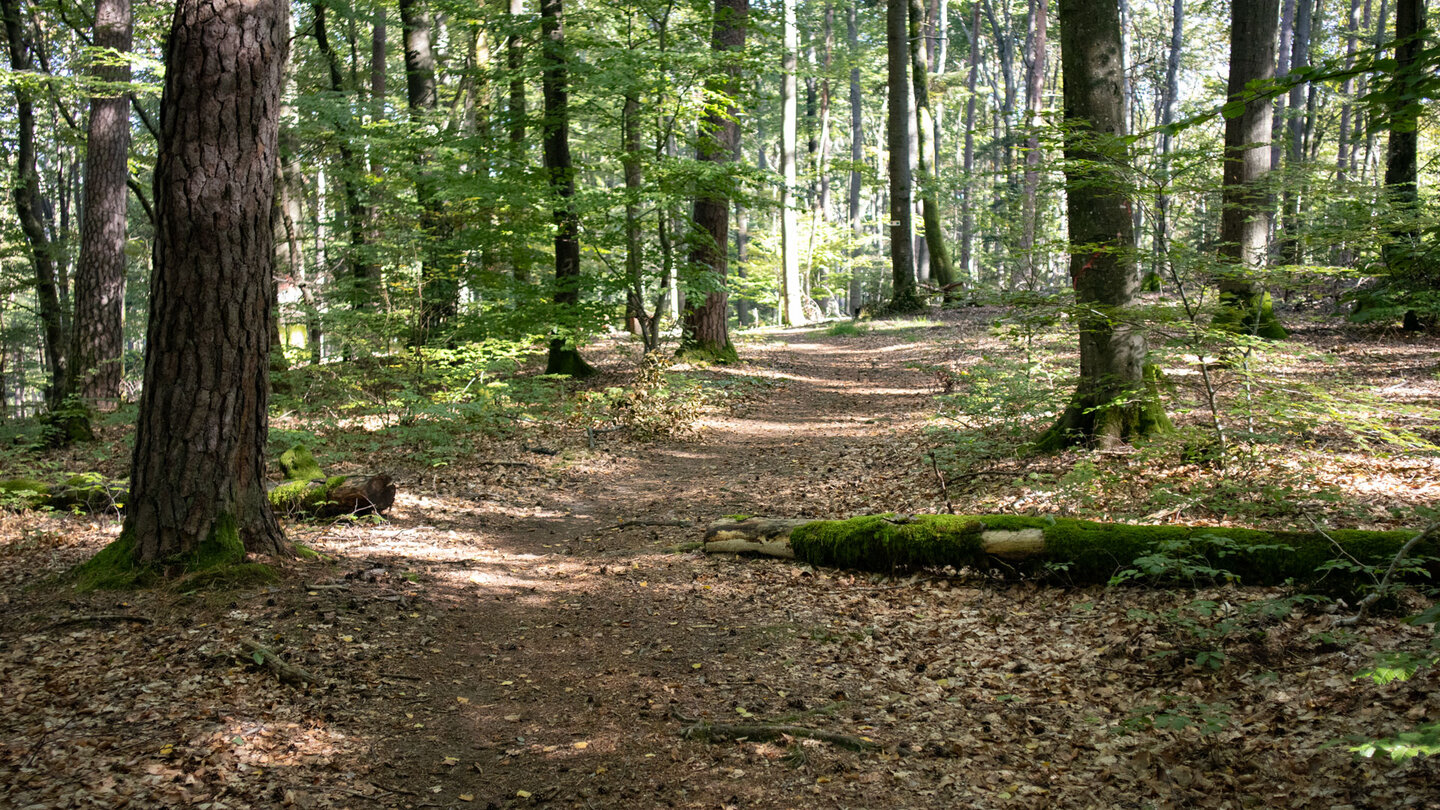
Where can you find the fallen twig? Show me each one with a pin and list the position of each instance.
(284, 672)
(1383, 586)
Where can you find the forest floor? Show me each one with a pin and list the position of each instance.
(521, 631)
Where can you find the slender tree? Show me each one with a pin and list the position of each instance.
(942, 270)
(857, 154)
(564, 358)
(704, 327)
(1245, 204)
(904, 296)
(1402, 152)
(97, 336)
(791, 293)
(30, 205)
(1034, 101)
(967, 165)
(197, 491)
(1114, 402)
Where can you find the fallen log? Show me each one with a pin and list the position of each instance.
(1081, 551)
(333, 497)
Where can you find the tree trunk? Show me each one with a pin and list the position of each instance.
(942, 271)
(1083, 551)
(791, 294)
(635, 315)
(1245, 212)
(1402, 154)
(857, 155)
(704, 328)
(1290, 252)
(967, 168)
(97, 335)
(29, 206)
(564, 358)
(515, 61)
(1161, 252)
(1114, 401)
(365, 274)
(439, 282)
(1034, 100)
(198, 474)
(904, 297)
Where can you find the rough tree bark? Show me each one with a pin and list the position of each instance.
(198, 471)
(1114, 401)
(564, 358)
(97, 335)
(1245, 212)
(704, 327)
(1402, 152)
(904, 295)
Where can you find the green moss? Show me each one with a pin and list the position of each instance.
(694, 352)
(115, 566)
(25, 493)
(304, 552)
(566, 361)
(228, 578)
(738, 518)
(297, 464)
(1093, 552)
(1249, 314)
(295, 498)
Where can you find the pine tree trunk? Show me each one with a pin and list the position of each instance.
(1245, 212)
(1114, 401)
(97, 336)
(198, 475)
(704, 326)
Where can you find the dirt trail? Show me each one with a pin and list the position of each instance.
(567, 648)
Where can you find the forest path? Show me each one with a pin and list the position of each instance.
(562, 643)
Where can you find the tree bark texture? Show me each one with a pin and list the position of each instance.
(967, 163)
(1402, 153)
(564, 358)
(514, 62)
(857, 155)
(1113, 402)
(1245, 201)
(1084, 551)
(704, 327)
(29, 204)
(97, 334)
(904, 296)
(1034, 101)
(198, 471)
(942, 271)
(1290, 247)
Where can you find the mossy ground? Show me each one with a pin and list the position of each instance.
(220, 557)
(296, 498)
(694, 352)
(297, 464)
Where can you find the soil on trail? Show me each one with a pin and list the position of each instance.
(527, 630)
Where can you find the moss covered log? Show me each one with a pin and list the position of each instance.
(1082, 551)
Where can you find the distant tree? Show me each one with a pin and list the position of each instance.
(198, 472)
(791, 294)
(704, 326)
(1113, 402)
(564, 358)
(1402, 156)
(904, 296)
(942, 270)
(97, 334)
(1245, 203)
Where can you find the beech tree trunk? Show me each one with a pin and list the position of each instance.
(1245, 212)
(967, 168)
(514, 62)
(564, 358)
(704, 327)
(942, 271)
(1114, 402)
(1402, 152)
(198, 471)
(97, 336)
(857, 156)
(439, 282)
(1290, 248)
(1034, 101)
(791, 294)
(904, 296)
